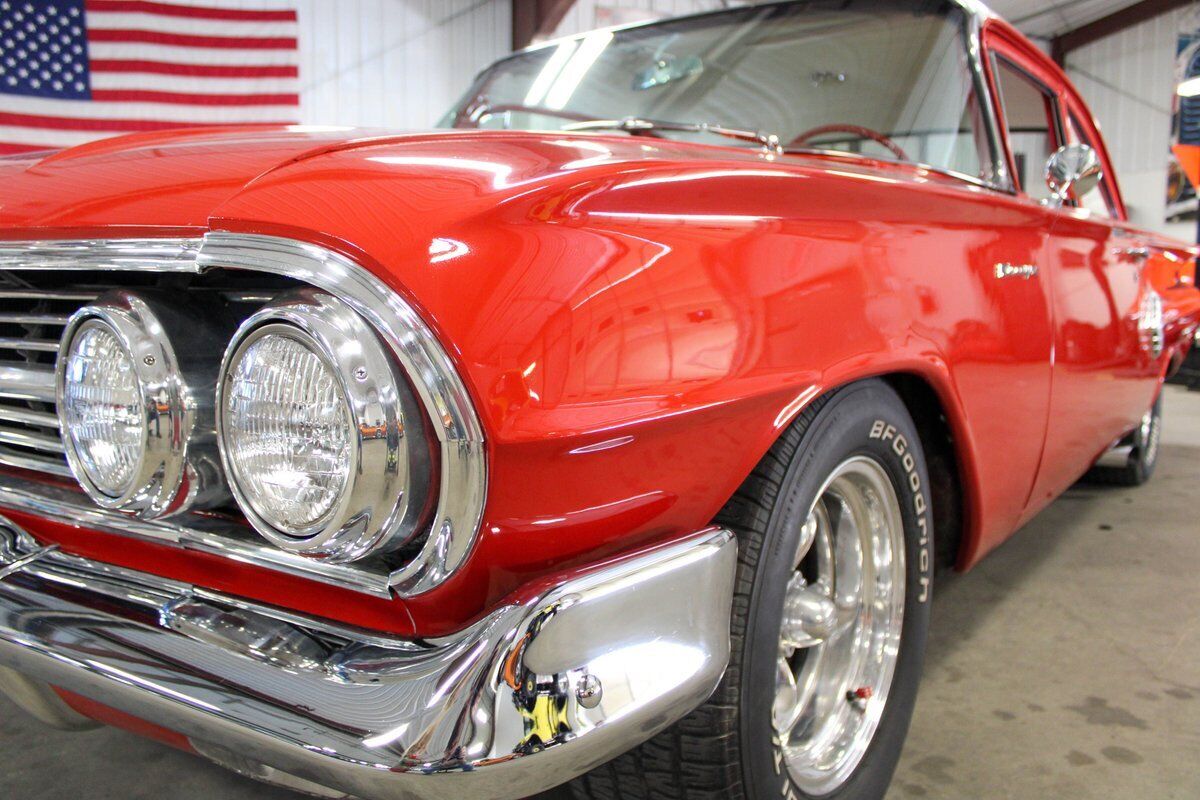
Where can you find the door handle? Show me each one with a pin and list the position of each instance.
(1023, 271)
(1134, 253)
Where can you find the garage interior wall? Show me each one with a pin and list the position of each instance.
(588, 14)
(1128, 80)
(392, 63)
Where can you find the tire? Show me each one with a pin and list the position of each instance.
(728, 748)
(1144, 447)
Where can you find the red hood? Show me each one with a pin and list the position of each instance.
(166, 182)
(171, 179)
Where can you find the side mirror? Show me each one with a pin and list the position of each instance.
(1072, 172)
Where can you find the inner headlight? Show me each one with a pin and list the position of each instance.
(102, 409)
(136, 421)
(323, 442)
(287, 428)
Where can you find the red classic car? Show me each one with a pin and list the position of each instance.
(614, 434)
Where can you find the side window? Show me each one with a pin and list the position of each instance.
(1099, 202)
(1031, 116)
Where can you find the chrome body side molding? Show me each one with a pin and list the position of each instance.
(541, 690)
(462, 483)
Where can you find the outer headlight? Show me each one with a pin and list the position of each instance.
(323, 443)
(101, 407)
(132, 413)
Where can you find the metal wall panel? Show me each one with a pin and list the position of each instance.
(588, 14)
(1128, 80)
(390, 63)
(393, 63)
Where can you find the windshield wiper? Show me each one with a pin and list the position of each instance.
(769, 141)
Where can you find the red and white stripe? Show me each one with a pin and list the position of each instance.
(158, 65)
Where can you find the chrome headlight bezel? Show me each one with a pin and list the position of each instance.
(387, 494)
(178, 466)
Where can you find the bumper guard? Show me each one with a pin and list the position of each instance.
(534, 694)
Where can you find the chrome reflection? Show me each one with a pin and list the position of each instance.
(382, 502)
(840, 634)
(462, 484)
(177, 467)
(501, 709)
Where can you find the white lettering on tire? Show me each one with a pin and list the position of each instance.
(887, 433)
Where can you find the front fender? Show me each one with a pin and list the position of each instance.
(635, 332)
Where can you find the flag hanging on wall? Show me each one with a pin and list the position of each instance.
(76, 70)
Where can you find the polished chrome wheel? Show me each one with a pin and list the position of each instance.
(1150, 431)
(840, 635)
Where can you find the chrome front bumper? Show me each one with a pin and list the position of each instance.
(536, 693)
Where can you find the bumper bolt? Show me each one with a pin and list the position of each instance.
(588, 691)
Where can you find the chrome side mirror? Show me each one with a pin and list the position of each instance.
(1072, 172)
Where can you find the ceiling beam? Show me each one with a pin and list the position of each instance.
(1065, 43)
(536, 19)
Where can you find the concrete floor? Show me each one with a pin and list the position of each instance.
(1066, 666)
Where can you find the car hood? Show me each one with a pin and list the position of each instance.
(162, 183)
(171, 179)
(165, 182)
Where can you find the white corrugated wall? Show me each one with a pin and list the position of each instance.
(1128, 80)
(393, 63)
(588, 14)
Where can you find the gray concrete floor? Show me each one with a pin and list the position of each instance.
(1067, 665)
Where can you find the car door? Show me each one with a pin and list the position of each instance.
(1109, 330)
(1101, 378)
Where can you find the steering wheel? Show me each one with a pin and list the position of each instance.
(856, 130)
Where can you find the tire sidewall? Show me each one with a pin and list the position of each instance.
(1146, 457)
(865, 419)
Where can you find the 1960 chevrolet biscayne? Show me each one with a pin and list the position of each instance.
(614, 434)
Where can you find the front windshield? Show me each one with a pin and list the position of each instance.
(883, 78)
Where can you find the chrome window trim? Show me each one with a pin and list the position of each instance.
(1003, 181)
(463, 480)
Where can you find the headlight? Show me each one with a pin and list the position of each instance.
(322, 441)
(101, 409)
(131, 411)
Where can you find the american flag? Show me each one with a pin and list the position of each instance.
(76, 70)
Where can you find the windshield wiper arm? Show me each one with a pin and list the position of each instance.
(769, 141)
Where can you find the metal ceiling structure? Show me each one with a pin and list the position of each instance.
(1067, 24)
(1071, 24)
(1047, 19)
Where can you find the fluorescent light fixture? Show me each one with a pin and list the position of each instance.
(1189, 88)
(572, 73)
(554, 65)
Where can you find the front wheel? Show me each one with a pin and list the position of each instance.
(830, 618)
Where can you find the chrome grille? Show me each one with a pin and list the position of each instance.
(31, 322)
